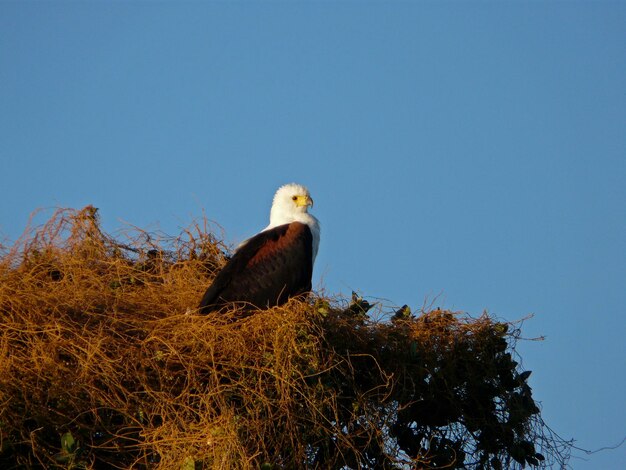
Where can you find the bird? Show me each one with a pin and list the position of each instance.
(273, 265)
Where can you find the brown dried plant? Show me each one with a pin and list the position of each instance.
(105, 363)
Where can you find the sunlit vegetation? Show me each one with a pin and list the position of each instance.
(105, 363)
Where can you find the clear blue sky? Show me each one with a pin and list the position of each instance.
(467, 154)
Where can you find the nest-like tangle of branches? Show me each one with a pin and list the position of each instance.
(105, 363)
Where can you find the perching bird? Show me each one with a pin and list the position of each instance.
(276, 263)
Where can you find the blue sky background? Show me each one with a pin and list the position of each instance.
(470, 155)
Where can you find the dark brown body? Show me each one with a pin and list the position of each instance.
(267, 270)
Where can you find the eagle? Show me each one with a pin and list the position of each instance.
(273, 265)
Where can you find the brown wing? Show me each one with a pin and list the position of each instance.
(271, 267)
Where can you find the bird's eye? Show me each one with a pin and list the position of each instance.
(294, 198)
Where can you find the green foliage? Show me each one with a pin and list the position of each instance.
(70, 453)
(188, 464)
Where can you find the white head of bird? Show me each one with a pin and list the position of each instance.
(291, 204)
(290, 201)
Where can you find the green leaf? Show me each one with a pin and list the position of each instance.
(359, 306)
(524, 375)
(68, 443)
(403, 314)
(188, 464)
(518, 454)
(501, 328)
(532, 461)
(62, 457)
(323, 307)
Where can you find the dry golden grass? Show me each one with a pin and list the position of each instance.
(104, 363)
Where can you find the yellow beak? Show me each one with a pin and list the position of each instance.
(303, 201)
